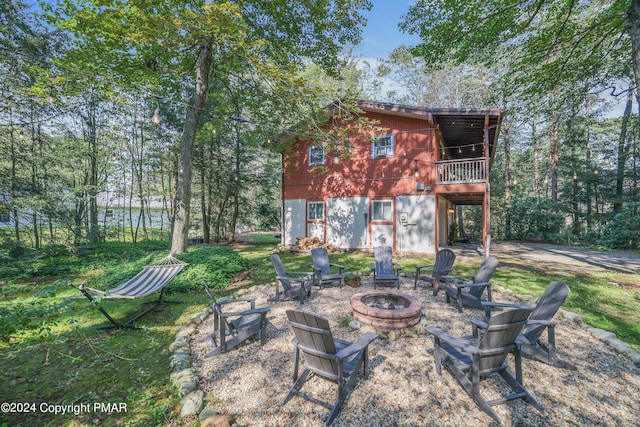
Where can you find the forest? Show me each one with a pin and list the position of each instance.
(141, 120)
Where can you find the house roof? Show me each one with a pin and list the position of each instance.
(462, 129)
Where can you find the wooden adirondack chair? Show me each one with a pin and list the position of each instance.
(385, 271)
(541, 318)
(322, 274)
(470, 292)
(295, 284)
(327, 357)
(472, 360)
(233, 328)
(443, 266)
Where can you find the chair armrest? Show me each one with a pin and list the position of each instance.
(448, 278)
(505, 304)
(454, 342)
(357, 345)
(478, 324)
(372, 266)
(338, 266)
(243, 313)
(294, 279)
(229, 301)
(541, 322)
(489, 305)
(471, 285)
(299, 273)
(481, 324)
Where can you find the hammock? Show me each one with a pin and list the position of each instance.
(151, 279)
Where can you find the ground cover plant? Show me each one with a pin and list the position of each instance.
(52, 354)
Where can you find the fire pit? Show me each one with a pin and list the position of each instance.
(386, 311)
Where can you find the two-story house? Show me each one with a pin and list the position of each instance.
(399, 185)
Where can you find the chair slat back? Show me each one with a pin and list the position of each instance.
(280, 271)
(486, 270)
(502, 332)
(384, 260)
(320, 257)
(444, 261)
(554, 296)
(315, 341)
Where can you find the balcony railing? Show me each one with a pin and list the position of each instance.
(461, 171)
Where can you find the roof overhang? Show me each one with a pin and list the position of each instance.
(463, 130)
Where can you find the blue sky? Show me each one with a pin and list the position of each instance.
(382, 35)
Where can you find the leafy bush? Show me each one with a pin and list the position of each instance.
(39, 313)
(57, 261)
(214, 264)
(623, 232)
(531, 219)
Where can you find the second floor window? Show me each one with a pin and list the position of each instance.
(316, 155)
(382, 147)
(316, 211)
(382, 210)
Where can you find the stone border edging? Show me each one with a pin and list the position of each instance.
(185, 379)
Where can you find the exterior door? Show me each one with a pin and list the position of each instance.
(416, 224)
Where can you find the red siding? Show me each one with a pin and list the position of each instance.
(415, 144)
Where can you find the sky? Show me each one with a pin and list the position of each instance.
(381, 34)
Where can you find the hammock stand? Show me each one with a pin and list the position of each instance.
(151, 279)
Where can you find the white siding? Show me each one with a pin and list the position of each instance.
(346, 221)
(316, 230)
(295, 220)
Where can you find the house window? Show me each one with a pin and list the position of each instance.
(316, 211)
(382, 147)
(316, 155)
(382, 210)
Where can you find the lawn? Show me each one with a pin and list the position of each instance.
(52, 357)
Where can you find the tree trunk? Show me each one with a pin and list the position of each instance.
(14, 186)
(194, 111)
(536, 161)
(204, 192)
(34, 181)
(633, 15)
(236, 191)
(553, 167)
(94, 229)
(622, 155)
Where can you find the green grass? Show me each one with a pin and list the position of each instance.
(51, 352)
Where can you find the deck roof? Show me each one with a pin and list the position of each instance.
(462, 129)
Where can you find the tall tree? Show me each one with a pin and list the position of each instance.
(156, 44)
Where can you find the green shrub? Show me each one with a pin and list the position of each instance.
(214, 264)
(535, 220)
(623, 232)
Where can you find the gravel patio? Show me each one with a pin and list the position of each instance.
(403, 388)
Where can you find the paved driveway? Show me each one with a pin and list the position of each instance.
(573, 256)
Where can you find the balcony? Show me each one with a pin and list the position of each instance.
(461, 171)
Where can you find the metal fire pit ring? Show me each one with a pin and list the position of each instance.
(385, 319)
